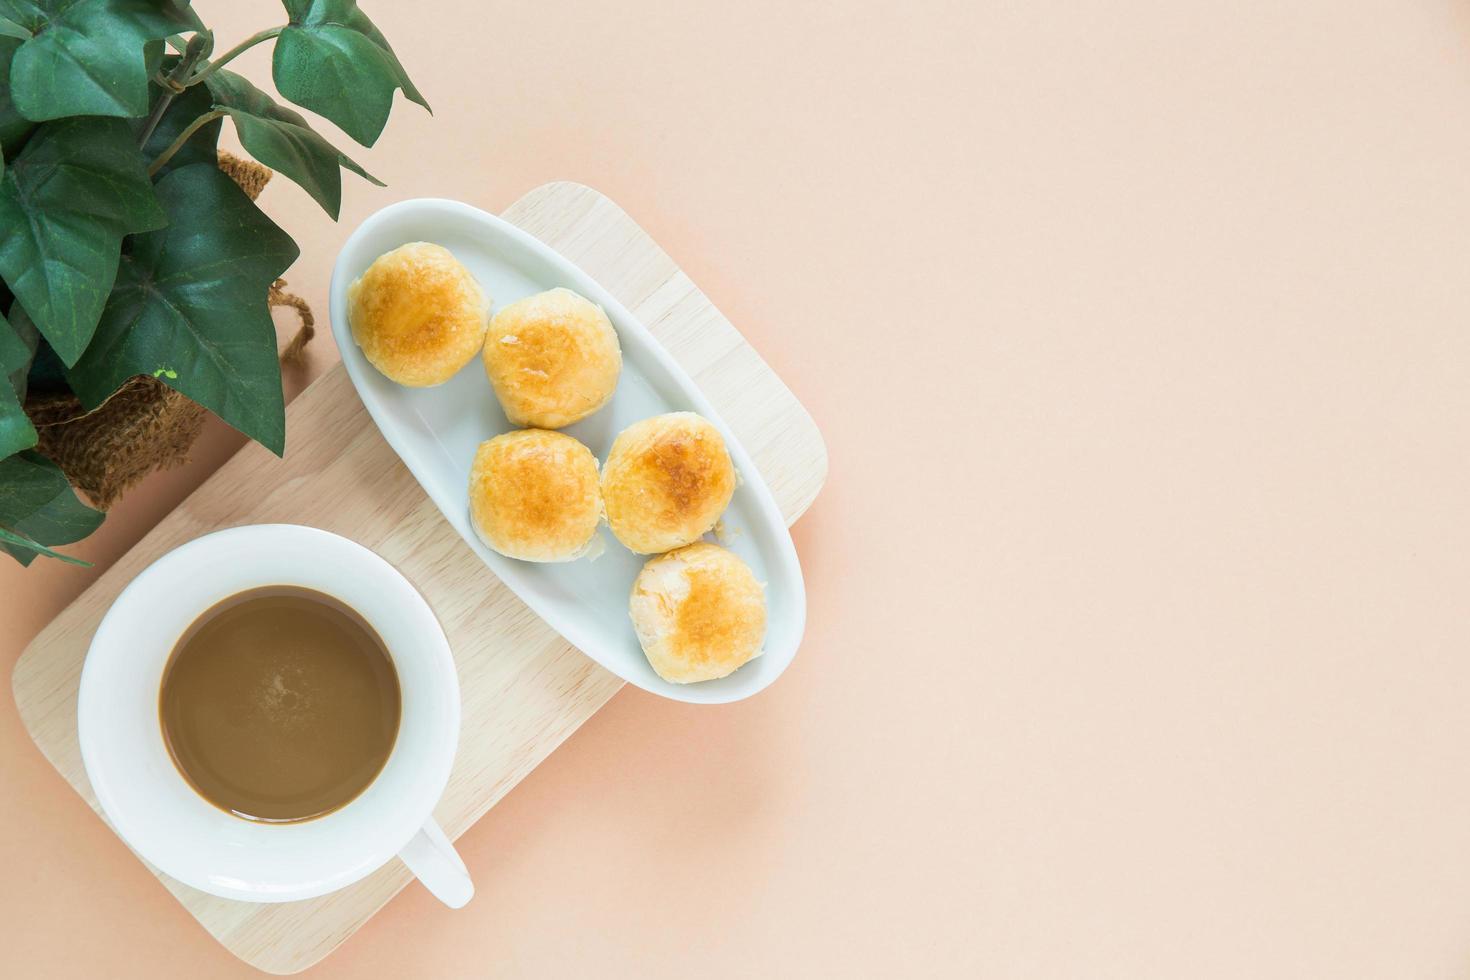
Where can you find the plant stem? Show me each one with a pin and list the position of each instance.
(159, 108)
(171, 88)
(183, 138)
(235, 52)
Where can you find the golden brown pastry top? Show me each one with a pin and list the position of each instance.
(418, 314)
(552, 358)
(666, 482)
(534, 495)
(699, 613)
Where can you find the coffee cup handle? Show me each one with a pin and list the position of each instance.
(435, 862)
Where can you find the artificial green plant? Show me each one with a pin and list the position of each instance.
(124, 250)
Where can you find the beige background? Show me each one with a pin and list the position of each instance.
(1140, 335)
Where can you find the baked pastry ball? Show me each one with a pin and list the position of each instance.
(534, 495)
(418, 314)
(699, 613)
(666, 482)
(552, 358)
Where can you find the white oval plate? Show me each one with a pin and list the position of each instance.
(435, 431)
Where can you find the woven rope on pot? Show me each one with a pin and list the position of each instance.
(145, 425)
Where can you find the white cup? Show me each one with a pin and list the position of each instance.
(165, 821)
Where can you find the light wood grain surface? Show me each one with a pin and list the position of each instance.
(524, 688)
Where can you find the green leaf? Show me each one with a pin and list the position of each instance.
(24, 550)
(153, 59)
(18, 343)
(39, 508)
(86, 56)
(282, 139)
(332, 60)
(188, 106)
(9, 28)
(191, 299)
(183, 15)
(47, 373)
(17, 348)
(14, 128)
(16, 430)
(65, 204)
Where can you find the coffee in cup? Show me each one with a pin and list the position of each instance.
(280, 704)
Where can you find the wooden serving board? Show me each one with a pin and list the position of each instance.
(524, 688)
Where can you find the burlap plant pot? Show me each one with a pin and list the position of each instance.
(145, 425)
